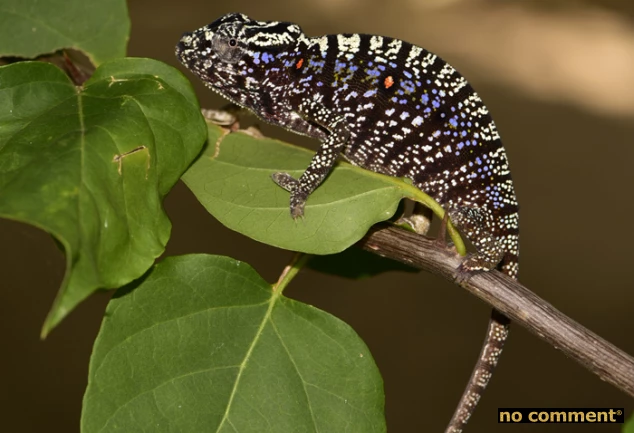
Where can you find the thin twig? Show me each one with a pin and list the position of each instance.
(514, 300)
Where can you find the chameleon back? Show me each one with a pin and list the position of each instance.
(410, 114)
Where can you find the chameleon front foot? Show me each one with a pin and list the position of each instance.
(298, 196)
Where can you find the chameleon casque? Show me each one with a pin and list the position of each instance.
(387, 106)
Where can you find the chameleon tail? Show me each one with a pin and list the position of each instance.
(497, 333)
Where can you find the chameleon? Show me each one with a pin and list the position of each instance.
(387, 106)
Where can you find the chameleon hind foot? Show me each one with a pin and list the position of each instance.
(298, 196)
(473, 222)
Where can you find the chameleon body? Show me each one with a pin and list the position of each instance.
(387, 106)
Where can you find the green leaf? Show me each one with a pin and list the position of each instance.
(92, 165)
(29, 28)
(232, 179)
(356, 263)
(203, 344)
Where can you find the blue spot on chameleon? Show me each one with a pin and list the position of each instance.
(403, 101)
(316, 64)
(408, 86)
(407, 74)
(370, 93)
(352, 94)
(435, 103)
(424, 99)
(453, 122)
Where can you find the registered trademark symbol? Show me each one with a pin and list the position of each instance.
(618, 412)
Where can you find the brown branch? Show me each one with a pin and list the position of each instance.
(514, 300)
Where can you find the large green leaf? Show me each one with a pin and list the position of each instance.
(232, 179)
(204, 344)
(65, 167)
(29, 28)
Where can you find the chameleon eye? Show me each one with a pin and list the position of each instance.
(226, 47)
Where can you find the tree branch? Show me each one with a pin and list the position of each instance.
(511, 298)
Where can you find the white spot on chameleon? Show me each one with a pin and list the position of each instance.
(348, 44)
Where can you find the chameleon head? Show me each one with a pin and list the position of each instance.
(234, 54)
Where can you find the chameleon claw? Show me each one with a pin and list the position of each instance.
(464, 272)
(298, 197)
(285, 180)
(298, 200)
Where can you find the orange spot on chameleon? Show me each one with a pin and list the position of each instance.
(389, 82)
(299, 63)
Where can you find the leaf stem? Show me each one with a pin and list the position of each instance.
(298, 261)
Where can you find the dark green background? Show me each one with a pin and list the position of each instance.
(571, 148)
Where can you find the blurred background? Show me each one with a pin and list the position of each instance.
(558, 77)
